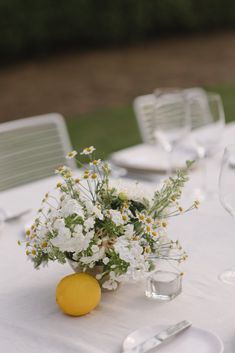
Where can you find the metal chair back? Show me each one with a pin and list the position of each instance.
(31, 149)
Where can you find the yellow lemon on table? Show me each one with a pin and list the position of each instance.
(78, 294)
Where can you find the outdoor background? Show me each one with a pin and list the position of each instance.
(88, 60)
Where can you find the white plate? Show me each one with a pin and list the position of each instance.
(192, 339)
(150, 159)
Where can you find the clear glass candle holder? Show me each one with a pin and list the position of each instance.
(163, 285)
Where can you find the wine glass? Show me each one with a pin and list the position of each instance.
(208, 120)
(171, 121)
(227, 196)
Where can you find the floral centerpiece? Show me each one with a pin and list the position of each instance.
(96, 222)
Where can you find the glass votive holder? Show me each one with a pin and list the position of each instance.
(163, 285)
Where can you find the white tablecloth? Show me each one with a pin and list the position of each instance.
(31, 322)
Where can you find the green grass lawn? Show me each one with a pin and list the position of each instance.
(113, 129)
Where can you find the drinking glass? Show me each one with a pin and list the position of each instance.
(207, 119)
(227, 196)
(1, 221)
(171, 121)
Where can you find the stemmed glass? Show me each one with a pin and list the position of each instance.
(227, 196)
(207, 118)
(171, 121)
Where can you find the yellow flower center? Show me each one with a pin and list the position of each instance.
(68, 175)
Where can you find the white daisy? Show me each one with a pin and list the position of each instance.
(116, 217)
(71, 154)
(88, 150)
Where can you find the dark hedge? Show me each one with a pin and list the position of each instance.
(40, 26)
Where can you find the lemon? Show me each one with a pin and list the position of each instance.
(78, 294)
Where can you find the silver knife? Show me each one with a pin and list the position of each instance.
(160, 337)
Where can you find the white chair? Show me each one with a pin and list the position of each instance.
(31, 149)
(144, 110)
(199, 107)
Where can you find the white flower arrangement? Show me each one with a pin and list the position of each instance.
(98, 222)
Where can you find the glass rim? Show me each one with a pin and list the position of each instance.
(229, 147)
(177, 275)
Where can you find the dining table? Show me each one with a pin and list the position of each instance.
(31, 322)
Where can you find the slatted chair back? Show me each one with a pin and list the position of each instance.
(144, 108)
(31, 149)
(144, 112)
(171, 121)
(200, 111)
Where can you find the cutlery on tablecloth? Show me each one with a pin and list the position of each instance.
(15, 216)
(160, 337)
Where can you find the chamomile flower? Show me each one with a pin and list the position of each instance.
(71, 154)
(28, 233)
(125, 217)
(68, 174)
(196, 204)
(60, 170)
(163, 224)
(180, 208)
(86, 175)
(94, 176)
(148, 220)
(88, 150)
(154, 233)
(141, 217)
(33, 252)
(148, 228)
(95, 162)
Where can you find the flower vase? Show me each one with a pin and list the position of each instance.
(98, 269)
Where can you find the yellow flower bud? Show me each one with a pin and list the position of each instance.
(122, 196)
